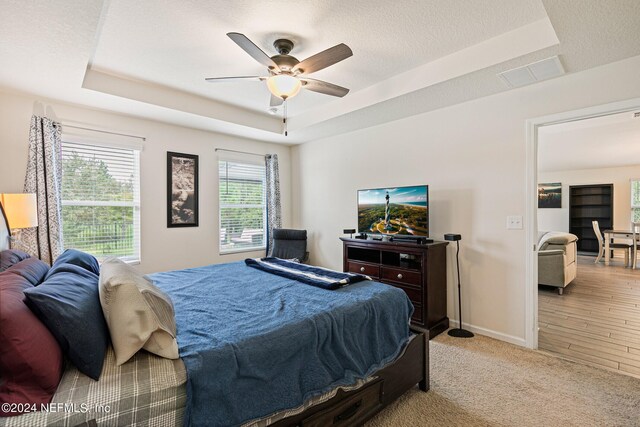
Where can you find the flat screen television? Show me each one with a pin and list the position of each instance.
(401, 211)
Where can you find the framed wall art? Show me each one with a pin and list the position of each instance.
(182, 190)
(550, 195)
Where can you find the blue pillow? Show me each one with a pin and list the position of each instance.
(75, 257)
(67, 302)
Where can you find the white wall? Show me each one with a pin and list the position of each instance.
(558, 219)
(473, 157)
(162, 248)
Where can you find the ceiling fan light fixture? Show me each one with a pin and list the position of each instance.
(284, 86)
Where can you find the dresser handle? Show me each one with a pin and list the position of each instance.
(362, 269)
(400, 276)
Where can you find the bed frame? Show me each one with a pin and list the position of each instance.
(357, 406)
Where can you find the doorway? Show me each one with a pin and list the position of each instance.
(587, 310)
(533, 128)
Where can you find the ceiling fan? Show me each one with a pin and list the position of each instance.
(286, 75)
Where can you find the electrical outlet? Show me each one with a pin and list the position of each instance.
(514, 222)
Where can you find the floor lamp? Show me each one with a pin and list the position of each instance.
(458, 332)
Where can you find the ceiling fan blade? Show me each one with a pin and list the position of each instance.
(324, 87)
(234, 79)
(253, 50)
(323, 59)
(275, 101)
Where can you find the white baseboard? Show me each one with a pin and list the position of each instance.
(490, 333)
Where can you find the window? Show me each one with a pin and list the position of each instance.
(635, 200)
(242, 206)
(101, 200)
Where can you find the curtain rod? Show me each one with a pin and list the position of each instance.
(104, 131)
(241, 152)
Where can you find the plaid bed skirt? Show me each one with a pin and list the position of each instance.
(145, 391)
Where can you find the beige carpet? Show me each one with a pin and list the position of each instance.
(485, 382)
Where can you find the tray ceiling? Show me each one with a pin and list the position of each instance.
(150, 60)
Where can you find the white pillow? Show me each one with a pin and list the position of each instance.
(138, 314)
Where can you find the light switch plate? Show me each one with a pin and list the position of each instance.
(514, 222)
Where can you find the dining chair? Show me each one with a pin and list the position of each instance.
(635, 227)
(627, 247)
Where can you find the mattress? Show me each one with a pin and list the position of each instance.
(145, 391)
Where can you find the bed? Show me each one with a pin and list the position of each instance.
(256, 350)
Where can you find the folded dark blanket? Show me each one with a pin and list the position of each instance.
(311, 275)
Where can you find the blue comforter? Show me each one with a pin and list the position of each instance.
(254, 343)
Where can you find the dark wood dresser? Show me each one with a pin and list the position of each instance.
(418, 269)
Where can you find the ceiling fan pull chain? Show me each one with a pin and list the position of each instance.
(284, 117)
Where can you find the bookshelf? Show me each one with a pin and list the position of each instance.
(590, 203)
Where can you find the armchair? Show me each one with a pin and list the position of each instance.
(557, 259)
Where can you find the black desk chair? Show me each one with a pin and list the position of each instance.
(290, 244)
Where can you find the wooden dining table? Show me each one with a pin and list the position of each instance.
(620, 234)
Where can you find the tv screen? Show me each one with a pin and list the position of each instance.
(394, 211)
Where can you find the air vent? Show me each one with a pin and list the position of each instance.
(636, 114)
(532, 73)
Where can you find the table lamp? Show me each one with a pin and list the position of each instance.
(21, 211)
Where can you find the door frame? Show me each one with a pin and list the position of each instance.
(531, 192)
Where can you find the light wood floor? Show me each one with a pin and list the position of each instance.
(597, 319)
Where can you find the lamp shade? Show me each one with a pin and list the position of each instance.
(284, 86)
(21, 209)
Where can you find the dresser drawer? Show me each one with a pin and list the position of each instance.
(401, 276)
(352, 411)
(415, 295)
(363, 268)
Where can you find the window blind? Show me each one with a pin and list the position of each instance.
(242, 206)
(101, 200)
(635, 200)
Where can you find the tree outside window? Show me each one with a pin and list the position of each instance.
(242, 206)
(100, 200)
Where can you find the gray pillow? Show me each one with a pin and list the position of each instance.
(10, 257)
(138, 314)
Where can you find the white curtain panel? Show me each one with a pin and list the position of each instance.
(44, 178)
(274, 217)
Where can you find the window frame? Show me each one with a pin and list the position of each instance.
(263, 205)
(136, 148)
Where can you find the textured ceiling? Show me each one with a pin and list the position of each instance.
(601, 142)
(149, 59)
(45, 48)
(180, 45)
